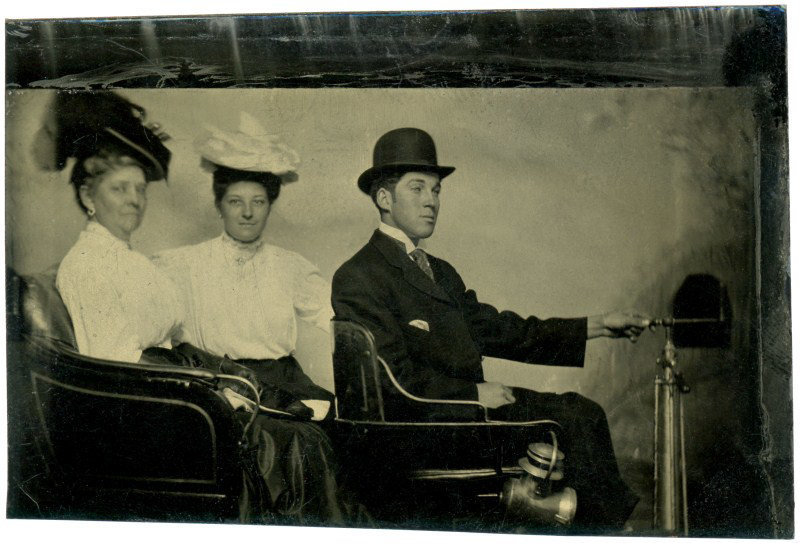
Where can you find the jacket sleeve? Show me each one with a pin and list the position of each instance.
(505, 334)
(354, 300)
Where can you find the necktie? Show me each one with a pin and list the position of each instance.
(419, 256)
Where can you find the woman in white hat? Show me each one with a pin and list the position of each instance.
(243, 297)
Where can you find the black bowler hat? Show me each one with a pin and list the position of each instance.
(85, 121)
(403, 150)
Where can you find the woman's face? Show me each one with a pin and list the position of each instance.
(118, 200)
(245, 208)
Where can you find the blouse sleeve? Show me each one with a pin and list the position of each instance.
(174, 264)
(101, 327)
(312, 295)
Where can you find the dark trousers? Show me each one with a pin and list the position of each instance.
(604, 500)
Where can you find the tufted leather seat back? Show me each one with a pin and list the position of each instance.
(43, 313)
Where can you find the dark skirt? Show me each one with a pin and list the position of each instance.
(291, 477)
(290, 469)
(284, 384)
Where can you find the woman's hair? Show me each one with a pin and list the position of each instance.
(224, 177)
(90, 170)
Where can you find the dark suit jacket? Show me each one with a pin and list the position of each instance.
(383, 289)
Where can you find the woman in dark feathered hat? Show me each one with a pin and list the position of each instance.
(119, 302)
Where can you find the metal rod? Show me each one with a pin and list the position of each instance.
(666, 497)
(669, 321)
(669, 455)
(684, 501)
(656, 430)
(665, 506)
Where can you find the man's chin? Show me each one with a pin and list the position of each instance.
(425, 233)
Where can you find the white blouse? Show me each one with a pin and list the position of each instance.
(119, 302)
(242, 300)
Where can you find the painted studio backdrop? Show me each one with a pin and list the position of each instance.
(564, 202)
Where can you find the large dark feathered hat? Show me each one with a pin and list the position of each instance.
(79, 123)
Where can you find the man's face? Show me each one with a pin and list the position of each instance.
(414, 206)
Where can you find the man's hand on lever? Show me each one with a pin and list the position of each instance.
(617, 324)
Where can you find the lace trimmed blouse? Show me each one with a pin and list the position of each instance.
(243, 300)
(120, 303)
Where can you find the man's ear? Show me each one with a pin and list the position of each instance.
(384, 199)
(86, 196)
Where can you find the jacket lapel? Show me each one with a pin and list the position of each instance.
(395, 256)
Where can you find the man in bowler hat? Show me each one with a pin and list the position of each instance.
(433, 332)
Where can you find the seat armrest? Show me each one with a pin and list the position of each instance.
(435, 401)
(357, 369)
(160, 370)
(364, 346)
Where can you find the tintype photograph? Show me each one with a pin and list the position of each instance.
(519, 272)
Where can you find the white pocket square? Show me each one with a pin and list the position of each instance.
(422, 325)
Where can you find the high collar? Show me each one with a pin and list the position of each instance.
(241, 252)
(253, 246)
(102, 234)
(399, 235)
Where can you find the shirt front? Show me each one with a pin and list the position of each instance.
(119, 302)
(243, 300)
